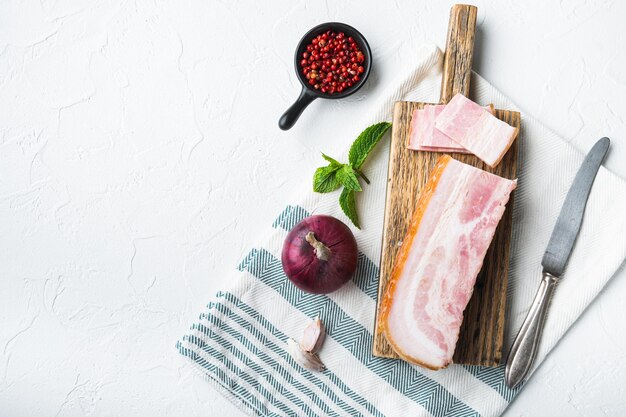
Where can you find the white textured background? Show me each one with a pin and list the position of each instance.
(140, 156)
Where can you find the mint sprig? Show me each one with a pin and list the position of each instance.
(331, 177)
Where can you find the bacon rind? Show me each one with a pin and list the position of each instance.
(403, 254)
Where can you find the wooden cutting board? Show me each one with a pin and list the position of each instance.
(482, 332)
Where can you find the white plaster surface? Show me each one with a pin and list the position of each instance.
(140, 157)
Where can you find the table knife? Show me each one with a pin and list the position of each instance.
(524, 349)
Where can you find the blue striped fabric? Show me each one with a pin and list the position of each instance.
(245, 354)
(230, 308)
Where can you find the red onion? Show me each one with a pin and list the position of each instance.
(319, 254)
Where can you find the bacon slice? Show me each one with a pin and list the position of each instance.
(424, 136)
(475, 129)
(436, 267)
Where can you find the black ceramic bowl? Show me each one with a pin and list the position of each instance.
(309, 93)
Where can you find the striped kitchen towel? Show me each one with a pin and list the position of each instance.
(239, 341)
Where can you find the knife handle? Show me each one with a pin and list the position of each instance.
(524, 349)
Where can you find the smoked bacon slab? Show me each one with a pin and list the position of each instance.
(442, 253)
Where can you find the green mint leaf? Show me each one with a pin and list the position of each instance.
(348, 205)
(347, 177)
(331, 160)
(325, 179)
(336, 174)
(366, 141)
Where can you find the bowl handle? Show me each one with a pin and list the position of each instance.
(289, 118)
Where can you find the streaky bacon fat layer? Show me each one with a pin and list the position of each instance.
(442, 253)
(476, 129)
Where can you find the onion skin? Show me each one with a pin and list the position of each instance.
(300, 259)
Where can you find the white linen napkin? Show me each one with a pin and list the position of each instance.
(238, 343)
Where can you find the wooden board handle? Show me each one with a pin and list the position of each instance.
(457, 62)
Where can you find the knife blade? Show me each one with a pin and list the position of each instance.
(560, 246)
(571, 217)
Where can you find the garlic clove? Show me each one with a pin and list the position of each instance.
(313, 336)
(307, 359)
